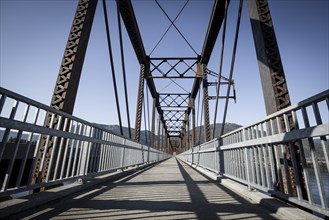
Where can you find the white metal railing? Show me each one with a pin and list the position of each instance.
(84, 150)
(257, 155)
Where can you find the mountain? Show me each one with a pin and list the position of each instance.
(144, 136)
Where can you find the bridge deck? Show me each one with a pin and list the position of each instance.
(170, 190)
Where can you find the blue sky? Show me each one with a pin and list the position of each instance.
(33, 36)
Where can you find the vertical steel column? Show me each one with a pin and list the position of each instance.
(158, 133)
(167, 143)
(139, 103)
(68, 78)
(162, 139)
(273, 79)
(275, 89)
(153, 123)
(69, 74)
(205, 102)
(188, 132)
(193, 123)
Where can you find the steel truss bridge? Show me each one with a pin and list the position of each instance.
(45, 148)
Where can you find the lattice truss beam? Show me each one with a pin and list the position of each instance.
(169, 73)
(182, 74)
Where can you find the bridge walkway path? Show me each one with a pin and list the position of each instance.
(169, 190)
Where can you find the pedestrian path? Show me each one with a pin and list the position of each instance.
(169, 190)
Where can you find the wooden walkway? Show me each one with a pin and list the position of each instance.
(170, 190)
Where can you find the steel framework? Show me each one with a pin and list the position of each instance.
(175, 111)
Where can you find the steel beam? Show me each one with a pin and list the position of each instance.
(70, 71)
(139, 108)
(129, 19)
(215, 23)
(193, 123)
(157, 146)
(206, 125)
(275, 89)
(68, 79)
(153, 123)
(128, 16)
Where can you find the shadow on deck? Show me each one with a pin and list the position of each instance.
(170, 190)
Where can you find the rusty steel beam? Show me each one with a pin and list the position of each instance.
(206, 125)
(153, 123)
(128, 16)
(274, 84)
(139, 108)
(215, 23)
(193, 141)
(129, 19)
(67, 83)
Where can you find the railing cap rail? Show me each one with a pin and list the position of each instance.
(316, 98)
(37, 104)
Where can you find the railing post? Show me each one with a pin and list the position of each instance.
(158, 146)
(207, 134)
(153, 123)
(193, 123)
(123, 153)
(246, 159)
(148, 154)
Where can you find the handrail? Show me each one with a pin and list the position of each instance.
(256, 155)
(85, 150)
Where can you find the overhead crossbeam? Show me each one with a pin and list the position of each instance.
(173, 68)
(174, 100)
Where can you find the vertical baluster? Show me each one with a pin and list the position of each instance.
(111, 153)
(303, 160)
(102, 152)
(48, 139)
(315, 162)
(82, 150)
(77, 151)
(236, 161)
(16, 146)
(36, 150)
(252, 161)
(230, 164)
(257, 165)
(241, 163)
(285, 161)
(2, 102)
(277, 157)
(30, 141)
(294, 162)
(59, 162)
(271, 156)
(86, 160)
(55, 143)
(66, 150)
(323, 139)
(260, 159)
(7, 131)
(107, 157)
(123, 153)
(266, 162)
(72, 150)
